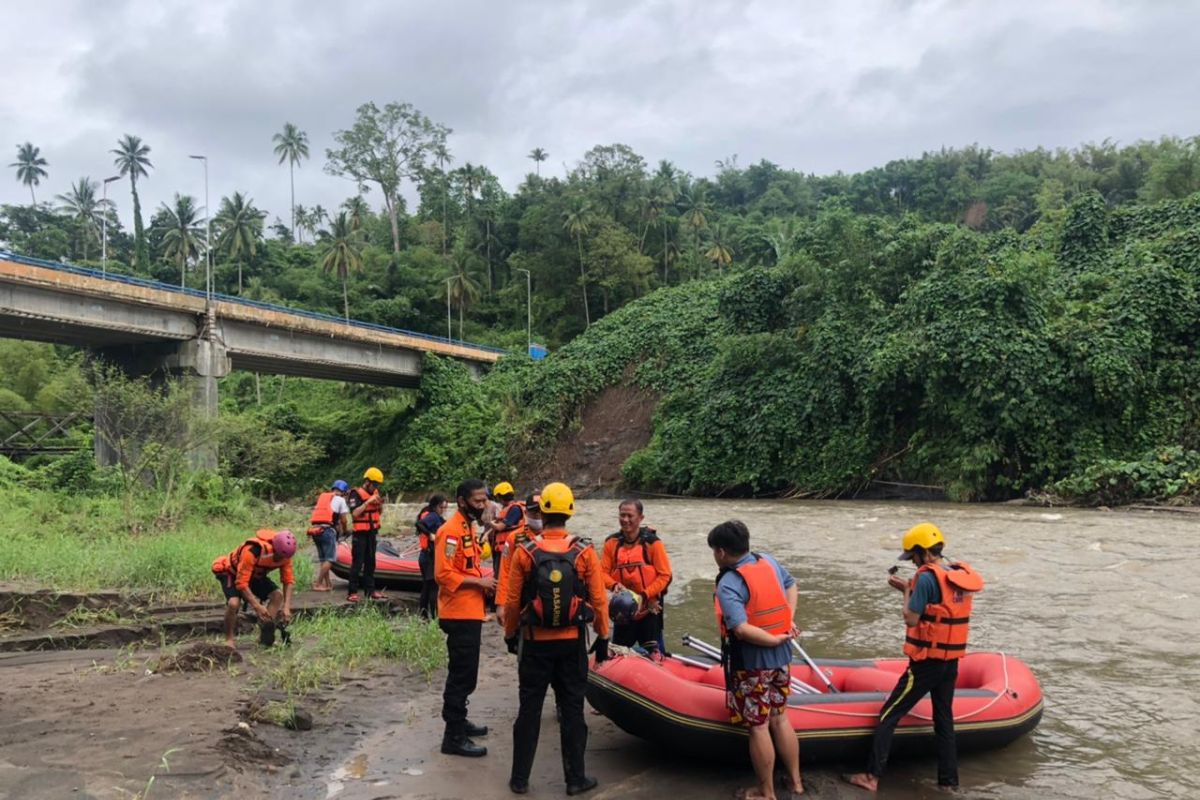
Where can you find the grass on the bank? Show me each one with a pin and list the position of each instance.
(327, 644)
(83, 543)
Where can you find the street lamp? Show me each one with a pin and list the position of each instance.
(449, 330)
(208, 280)
(528, 311)
(104, 225)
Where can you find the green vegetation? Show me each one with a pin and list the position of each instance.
(328, 644)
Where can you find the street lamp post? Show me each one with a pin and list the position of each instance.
(449, 330)
(528, 311)
(208, 279)
(104, 225)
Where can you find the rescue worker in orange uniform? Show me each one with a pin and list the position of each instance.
(554, 589)
(755, 604)
(531, 530)
(243, 577)
(462, 593)
(366, 509)
(635, 560)
(937, 614)
(509, 521)
(329, 521)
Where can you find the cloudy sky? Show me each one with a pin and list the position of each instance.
(815, 86)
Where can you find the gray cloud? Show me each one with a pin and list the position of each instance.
(813, 86)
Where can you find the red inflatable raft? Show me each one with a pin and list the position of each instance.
(394, 569)
(681, 706)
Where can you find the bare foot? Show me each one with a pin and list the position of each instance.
(231, 644)
(863, 780)
(322, 588)
(751, 794)
(795, 789)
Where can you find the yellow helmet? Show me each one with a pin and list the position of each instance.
(557, 498)
(503, 487)
(373, 475)
(924, 535)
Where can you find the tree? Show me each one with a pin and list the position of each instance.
(358, 210)
(291, 145)
(461, 286)
(300, 220)
(385, 147)
(575, 223)
(133, 159)
(240, 224)
(182, 232)
(718, 250)
(31, 167)
(84, 208)
(442, 154)
(343, 253)
(615, 265)
(538, 155)
(696, 209)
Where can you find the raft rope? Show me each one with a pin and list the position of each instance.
(980, 710)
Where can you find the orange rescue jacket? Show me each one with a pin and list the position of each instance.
(456, 556)
(503, 534)
(941, 633)
(642, 566)
(368, 520)
(254, 558)
(522, 574)
(322, 515)
(768, 607)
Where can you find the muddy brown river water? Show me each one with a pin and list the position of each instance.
(1102, 605)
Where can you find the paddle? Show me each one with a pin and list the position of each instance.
(813, 665)
(706, 649)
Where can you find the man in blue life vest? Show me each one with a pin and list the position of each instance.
(755, 604)
(937, 613)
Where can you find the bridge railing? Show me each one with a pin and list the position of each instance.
(133, 280)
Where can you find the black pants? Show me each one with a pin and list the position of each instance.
(427, 605)
(645, 631)
(362, 563)
(462, 672)
(563, 665)
(935, 678)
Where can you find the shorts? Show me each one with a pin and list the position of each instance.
(757, 695)
(326, 542)
(261, 587)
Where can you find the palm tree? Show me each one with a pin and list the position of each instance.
(82, 205)
(182, 232)
(133, 159)
(779, 234)
(538, 155)
(358, 210)
(575, 222)
(300, 220)
(666, 181)
(696, 209)
(316, 217)
(718, 250)
(462, 287)
(343, 253)
(291, 145)
(241, 228)
(442, 154)
(31, 167)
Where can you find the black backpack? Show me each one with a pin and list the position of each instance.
(555, 596)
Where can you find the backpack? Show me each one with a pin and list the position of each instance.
(555, 596)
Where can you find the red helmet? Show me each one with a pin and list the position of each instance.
(284, 544)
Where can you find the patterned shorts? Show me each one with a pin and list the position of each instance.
(758, 694)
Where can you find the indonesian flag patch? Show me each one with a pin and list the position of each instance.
(451, 546)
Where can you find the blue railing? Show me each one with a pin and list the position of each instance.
(132, 280)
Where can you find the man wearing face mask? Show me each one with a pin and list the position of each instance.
(462, 592)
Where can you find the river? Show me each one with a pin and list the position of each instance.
(1102, 605)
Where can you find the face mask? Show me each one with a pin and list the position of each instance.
(474, 513)
(535, 524)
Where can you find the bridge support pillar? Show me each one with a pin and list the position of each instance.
(198, 363)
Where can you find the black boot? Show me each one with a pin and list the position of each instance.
(462, 746)
(518, 785)
(476, 730)
(585, 784)
(266, 634)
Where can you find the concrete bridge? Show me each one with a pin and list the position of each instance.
(147, 327)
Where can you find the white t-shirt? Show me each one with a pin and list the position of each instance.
(338, 506)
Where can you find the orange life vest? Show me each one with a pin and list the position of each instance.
(424, 538)
(942, 630)
(768, 606)
(515, 531)
(368, 520)
(632, 566)
(322, 515)
(264, 563)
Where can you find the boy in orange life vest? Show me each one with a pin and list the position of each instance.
(243, 576)
(755, 603)
(462, 592)
(937, 612)
(554, 589)
(635, 559)
(366, 507)
(330, 519)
